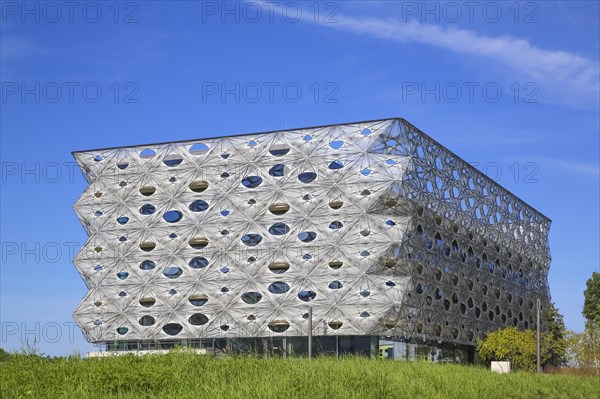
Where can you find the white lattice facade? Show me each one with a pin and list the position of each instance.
(380, 229)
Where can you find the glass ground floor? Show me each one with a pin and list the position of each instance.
(370, 346)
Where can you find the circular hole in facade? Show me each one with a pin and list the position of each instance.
(251, 240)
(279, 287)
(198, 262)
(336, 204)
(277, 170)
(307, 177)
(97, 194)
(335, 225)
(225, 212)
(336, 165)
(172, 160)
(335, 324)
(122, 294)
(307, 295)
(224, 327)
(390, 323)
(147, 153)
(198, 319)
(335, 285)
(279, 208)
(198, 149)
(98, 213)
(147, 320)
(365, 314)
(279, 150)
(147, 246)
(98, 303)
(365, 293)
(172, 328)
(252, 181)
(279, 326)
(198, 186)
(147, 190)
(336, 264)
(365, 232)
(279, 229)
(390, 283)
(147, 265)
(365, 193)
(172, 272)
(336, 144)
(147, 209)
(122, 220)
(198, 300)
(307, 236)
(122, 165)
(279, 267)
(172, 216)
(251, 297)
(122, 330)
(198, 242)
(198, 206)
(122, 275)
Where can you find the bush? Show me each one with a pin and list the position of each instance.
(518, 347)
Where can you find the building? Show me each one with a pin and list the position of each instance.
(227, 242)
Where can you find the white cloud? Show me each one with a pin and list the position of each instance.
(563, 77)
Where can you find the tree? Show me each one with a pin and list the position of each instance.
(557, 332)
(584, 348)
(591, 303)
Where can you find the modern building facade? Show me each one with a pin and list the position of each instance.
(382, 231)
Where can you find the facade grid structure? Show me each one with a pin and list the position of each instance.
(376, 226)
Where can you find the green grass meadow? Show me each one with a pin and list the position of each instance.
(185, 375)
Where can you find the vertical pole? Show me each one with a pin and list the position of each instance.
(538, 337)
(310, 328)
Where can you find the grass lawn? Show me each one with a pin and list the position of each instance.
(184, 375)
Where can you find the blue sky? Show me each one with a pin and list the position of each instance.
(511, 87)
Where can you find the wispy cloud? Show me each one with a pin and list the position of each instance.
(572, 77)
(584, 168)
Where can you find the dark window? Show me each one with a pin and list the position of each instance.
(307, 295)
(307, 177)
(279, 229)
(198, 319)
(335, 285)
(147, 209)
(198, 262)
(336, 225)
(251, 240)
(307, 236)
(172, 272)
(279, 287)
(172, 328)
(252, 181)
(147, 265)
(172, 216)
(251, 297)
(147, 320)
(277, 170)
(198, 206)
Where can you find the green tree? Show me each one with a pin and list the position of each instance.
(591, 303)
(557, 332)
(584, 348)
